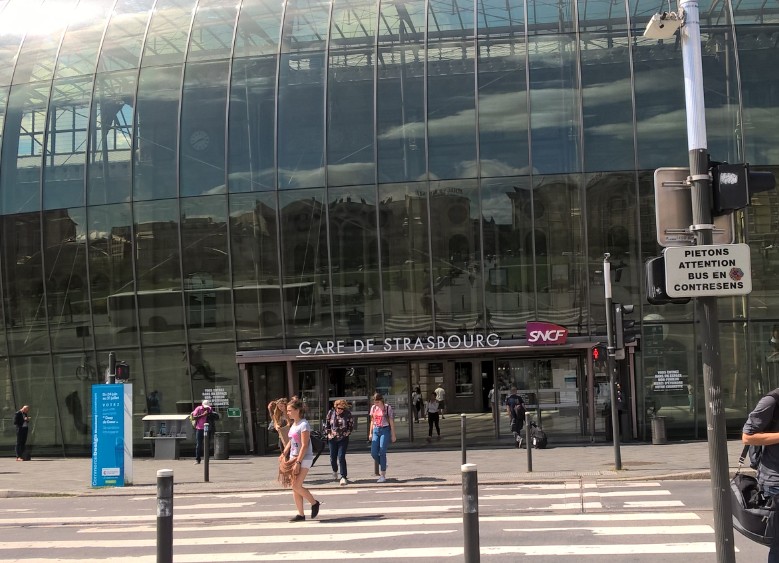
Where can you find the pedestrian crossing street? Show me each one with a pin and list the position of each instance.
(611, 520)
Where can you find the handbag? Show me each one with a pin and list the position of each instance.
(754, 514)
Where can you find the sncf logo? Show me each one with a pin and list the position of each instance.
(546, 333)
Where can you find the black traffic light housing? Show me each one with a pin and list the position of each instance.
(599, 354)
(733, 186)
(624, 329)
(122, 371)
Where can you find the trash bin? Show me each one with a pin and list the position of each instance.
(221, 445)
(658, 430)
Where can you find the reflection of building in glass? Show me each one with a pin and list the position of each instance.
(187, 178)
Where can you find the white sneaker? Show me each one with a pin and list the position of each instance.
(343, 481)
(382, 479)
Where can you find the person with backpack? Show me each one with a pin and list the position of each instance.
(515, 406)
(762, 429)
(431, 408)
(339, 425)
(380, 432)
(200, 416)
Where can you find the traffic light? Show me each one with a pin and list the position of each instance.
(733, 186)
(599, 354)
(624, 329)
(122, 371)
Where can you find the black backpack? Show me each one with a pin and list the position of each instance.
(537, 437)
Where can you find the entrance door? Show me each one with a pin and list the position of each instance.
(553, 389)
(265, 383)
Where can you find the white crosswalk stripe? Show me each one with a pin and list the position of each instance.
(409, 524)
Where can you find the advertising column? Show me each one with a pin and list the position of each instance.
(112, 444)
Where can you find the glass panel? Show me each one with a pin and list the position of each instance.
(25, 122)
(558, 245)
(456, 244)
(350, 107)
(66, 143)
(603, 15)
(607, 102)
(13, 26)
(157, 120)
(551, 17)
(659, 98)
(259, 24)
(78, 53)
(554, 104)
(39, 50)
(207, 298)
(34, 386)
(509, 285)
(166, 393)
(503, 127)
(166, 40)
(405, 256)
(215, 377)
(212, 30)
(203, 128)
(252, 125)
(3, 109)
(23, 283)
(8, 434)
(124, 36)
(400, 102)
(111, 275)
(74, 395)
(451, 109)
(305, 292)
(255, 259)
(64, 260)
(355, 262)
(110, 147)
(160, 302)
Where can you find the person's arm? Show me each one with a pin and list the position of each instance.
(349, 419)
(760, 439)
(370, 425)
(391, 418)
(305, 438)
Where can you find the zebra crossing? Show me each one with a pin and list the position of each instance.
(553, 521)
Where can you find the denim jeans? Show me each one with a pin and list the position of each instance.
(773, 552)
(199, 444)
(379, 443)
(338, 454)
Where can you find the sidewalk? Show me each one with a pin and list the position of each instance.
(72, 476)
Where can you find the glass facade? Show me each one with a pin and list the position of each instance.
(182, 180)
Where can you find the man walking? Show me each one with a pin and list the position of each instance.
(22, 422)
(440, 396)
(200, 416)
(515, 406)
(762, 429)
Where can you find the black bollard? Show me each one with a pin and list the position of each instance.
(206, 451)
(528, 443)
(470, 512)
(462, 436)
(165, 516)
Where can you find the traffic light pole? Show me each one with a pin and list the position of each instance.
(706, 307)
(611, 361)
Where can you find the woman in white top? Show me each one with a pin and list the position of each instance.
(297, 458)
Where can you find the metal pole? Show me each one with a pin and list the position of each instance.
(470, 513)
(612, 361)
(111, 367)
(706, 307)
(462, 436)
(528, 445)
(165, 516)
(206, 451)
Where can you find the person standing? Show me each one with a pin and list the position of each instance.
(762, 429)
(279, 423)
(22, 423)
(516, 415)
(440, 396)
(200, 416)
(491, 400)
(417, 403)
(380, 431)
(297, 458)
(432, 417)
(339, 425)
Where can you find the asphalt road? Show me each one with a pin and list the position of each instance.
(567, 520)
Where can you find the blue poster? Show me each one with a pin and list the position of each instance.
(108, 435)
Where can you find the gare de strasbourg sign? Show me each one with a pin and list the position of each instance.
(538, 333)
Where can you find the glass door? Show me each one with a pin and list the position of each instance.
(266, 383)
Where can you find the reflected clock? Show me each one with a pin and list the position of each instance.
(199, 140)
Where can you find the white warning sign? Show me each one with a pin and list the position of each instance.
(708, 270)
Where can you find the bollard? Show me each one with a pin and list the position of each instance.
(470, 512)
(462, 436)
(165, 516)
(206, 451)
(528, 443)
